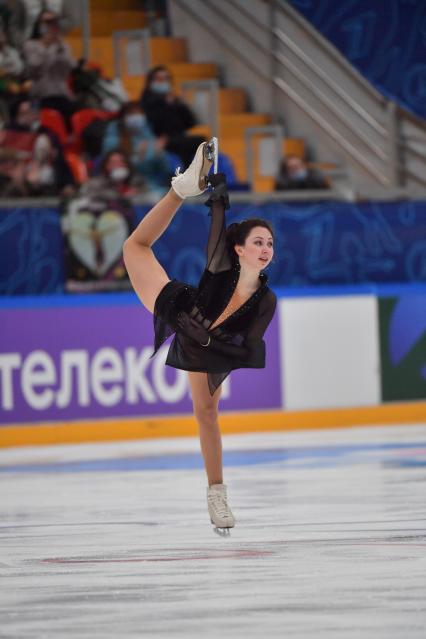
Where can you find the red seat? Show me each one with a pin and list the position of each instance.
(54, 121)
(81, 119)
(78, 167)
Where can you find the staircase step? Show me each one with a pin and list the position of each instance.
(235, 148)
(111, 5)
(201, 129)
(134, 85)
(104, 23)
(294, 146)
(101, 51)
(193, 71)
(232, 101)
(263, 184)
(235, 124)
(168, 50)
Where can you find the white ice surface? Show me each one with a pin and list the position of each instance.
(324, 546)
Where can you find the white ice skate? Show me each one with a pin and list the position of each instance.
(220, 513)
(193, 181)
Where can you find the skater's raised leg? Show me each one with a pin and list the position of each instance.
(147, 275)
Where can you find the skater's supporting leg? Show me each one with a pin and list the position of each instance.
(206, 413)
(147, 275)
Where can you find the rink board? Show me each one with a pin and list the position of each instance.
(79, 368)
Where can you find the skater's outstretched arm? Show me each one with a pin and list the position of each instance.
(217, 255)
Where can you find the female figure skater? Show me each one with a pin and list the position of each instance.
(219, 325)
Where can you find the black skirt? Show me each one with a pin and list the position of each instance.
(174, 297)
(185, 353)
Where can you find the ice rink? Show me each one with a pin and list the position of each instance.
(114, 540)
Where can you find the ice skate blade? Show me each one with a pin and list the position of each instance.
(222, 532)
(211, 151)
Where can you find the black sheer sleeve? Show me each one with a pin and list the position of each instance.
(217, 255)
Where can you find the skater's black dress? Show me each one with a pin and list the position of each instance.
(236, 342)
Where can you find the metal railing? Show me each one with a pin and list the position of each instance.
(134, 41)
(323, 43)
(330, 130)
(273, 131)
(211, 88)
(386, 127)
(330, 82)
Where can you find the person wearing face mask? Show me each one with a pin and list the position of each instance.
(25, 118)
(116, 178)
(66, 11)
(49, 62)
(11, 68)
(168, 115)
(41, 174)
(295, 175)
(130, 132)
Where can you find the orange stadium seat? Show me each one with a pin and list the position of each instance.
(81, 119)
(78, 167)
(54, 121)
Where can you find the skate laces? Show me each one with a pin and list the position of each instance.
(219, 503)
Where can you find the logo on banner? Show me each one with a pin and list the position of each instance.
(403, 347)
(94, 232)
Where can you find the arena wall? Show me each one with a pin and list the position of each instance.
(78, 368)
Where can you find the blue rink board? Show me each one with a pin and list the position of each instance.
(129, 299)
(317, 244)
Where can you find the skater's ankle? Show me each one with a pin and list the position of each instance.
(174, 195)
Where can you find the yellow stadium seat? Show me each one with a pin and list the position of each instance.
(168, 50)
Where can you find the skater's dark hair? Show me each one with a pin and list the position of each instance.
(238, 232)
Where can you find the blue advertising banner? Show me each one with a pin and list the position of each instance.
(384, 40)
(316, 244)
(31, 251)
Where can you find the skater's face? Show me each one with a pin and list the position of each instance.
(258, 249)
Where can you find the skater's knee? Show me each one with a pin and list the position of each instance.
(206, 414)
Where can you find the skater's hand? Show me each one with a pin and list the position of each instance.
(191, 328)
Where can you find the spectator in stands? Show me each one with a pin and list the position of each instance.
(131, 133)
(62, 8)
(116, 178)
(49, 63)
(12, 174)
(13, 16)
(11, 68)
(294, 174)
(38, 176)
(168, 115)
(25, 118)
(11, 63)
